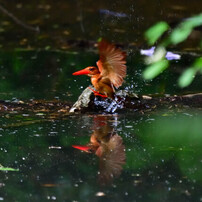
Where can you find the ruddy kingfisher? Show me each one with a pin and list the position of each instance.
(108, 146)
(109, 72)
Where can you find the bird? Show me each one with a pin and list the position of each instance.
(109, 72)
(108, 147)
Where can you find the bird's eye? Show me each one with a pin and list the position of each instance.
(91, 69)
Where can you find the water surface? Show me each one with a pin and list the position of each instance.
(151, 155)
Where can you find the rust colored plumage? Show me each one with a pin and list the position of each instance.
(110, 71)
(108, 147)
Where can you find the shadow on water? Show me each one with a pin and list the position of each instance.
(108, 146)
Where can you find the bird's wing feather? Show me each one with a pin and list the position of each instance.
(112, 63)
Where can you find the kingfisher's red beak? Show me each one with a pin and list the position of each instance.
(82, 148)
(81, 72)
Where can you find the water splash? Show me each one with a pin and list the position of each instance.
(109, 105)
(113, 13)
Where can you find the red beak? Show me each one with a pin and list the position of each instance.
(82, 148)
(81, 72)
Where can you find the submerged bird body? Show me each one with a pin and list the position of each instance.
(110, 70)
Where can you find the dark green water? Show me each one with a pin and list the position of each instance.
(162, 148)
(48, 75)
(163, 159)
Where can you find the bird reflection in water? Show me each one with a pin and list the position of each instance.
(108, 146)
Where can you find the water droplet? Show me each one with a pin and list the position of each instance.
(100, 194)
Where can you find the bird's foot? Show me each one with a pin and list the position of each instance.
(97, 93)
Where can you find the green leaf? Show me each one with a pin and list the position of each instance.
(154, 33)
(155, 69)
(198, 63)
(7, 169)
(185, 28)
(187, 77)
(180, 34)
(194, 21)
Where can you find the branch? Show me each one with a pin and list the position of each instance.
(17, 21)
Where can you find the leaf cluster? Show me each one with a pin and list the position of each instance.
(176, 36)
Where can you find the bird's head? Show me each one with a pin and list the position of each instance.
(90, 71)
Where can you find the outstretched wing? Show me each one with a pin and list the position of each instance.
(112, 63)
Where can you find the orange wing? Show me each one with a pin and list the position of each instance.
(112, 63)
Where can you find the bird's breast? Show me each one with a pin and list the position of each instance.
(95, 81)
